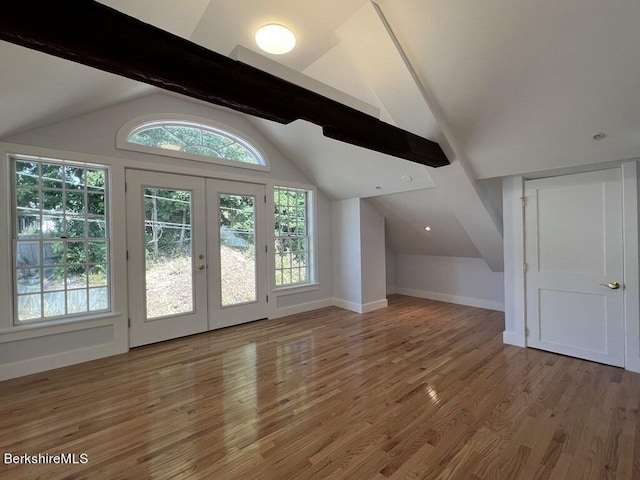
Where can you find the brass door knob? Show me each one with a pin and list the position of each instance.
(611, 285)
(200, 267)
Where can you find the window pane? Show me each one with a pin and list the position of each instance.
(169, 258)
(54, 279)
(75, 203)
(28, 255)
(97, 252)
(51, 175)
(195, 139)
(28, 200)
(73, 178)
(28, 226)
(52, 272)
(52, 226)
(76, 276)
(53, 252)
(97, 228)
(75, 227)
(98, 299)
(237, 249)
(95, 203)
(29, 280)
(27, 174)
(95, 180)
(75, 252)
(52, 201)
(292, 242)
(77, 301)
(29, 307)
(98, 275)
(54, 304)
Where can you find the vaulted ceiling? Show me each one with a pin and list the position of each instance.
(509, 87)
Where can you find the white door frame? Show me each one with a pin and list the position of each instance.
(514, 276)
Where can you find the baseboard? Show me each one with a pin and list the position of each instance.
(49, 362)
(371, 306)
(632, 364)
(513, 338)
(457, 299)
(352, 306)
(391, 289)
(360, 308)
(301, 308)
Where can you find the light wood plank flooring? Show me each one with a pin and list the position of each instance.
(421, 389)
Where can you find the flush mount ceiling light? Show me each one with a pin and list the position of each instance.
(406, 178)
(427, 228)
(276, 39)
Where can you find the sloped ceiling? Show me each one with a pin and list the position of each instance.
(522, 87)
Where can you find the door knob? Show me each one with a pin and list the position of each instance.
(201, 267)
(611, 285)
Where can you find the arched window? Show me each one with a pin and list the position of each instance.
(191, 139)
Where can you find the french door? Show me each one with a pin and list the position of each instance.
(196, 255)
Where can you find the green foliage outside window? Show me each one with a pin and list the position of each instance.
(195, 139)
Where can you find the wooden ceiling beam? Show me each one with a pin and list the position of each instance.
(93, 34)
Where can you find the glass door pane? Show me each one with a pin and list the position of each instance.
(237, 216)
(168, 252)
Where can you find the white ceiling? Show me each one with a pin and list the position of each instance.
(522, 86)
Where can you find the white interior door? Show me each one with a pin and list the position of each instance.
(237, 247)
(574, 255)
(166, 248)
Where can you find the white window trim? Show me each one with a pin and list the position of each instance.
(11, 186)
(312, 211)
(122, 142)
(10, 331)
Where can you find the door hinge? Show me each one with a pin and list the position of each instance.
(265, 199)
(127, 254)
(125, 187)
(266, 249)
(267, 298)
(129, 322)
(524, 201)
(524, 267)
(526, 331)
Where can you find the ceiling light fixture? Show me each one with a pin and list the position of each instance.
(599, 136)
(427, 228)
(276, 39)
(406, 178)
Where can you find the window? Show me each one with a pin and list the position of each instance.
(292, 250)
(191, 139)
(61, 242)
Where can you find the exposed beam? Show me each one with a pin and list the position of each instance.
(93, 34)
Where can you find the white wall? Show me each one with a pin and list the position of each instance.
(359, 276)
(347, 269)
(27, 349)
(467, 281)
(390, 267)
(372, 252)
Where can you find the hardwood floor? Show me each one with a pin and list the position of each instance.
(420, 390)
